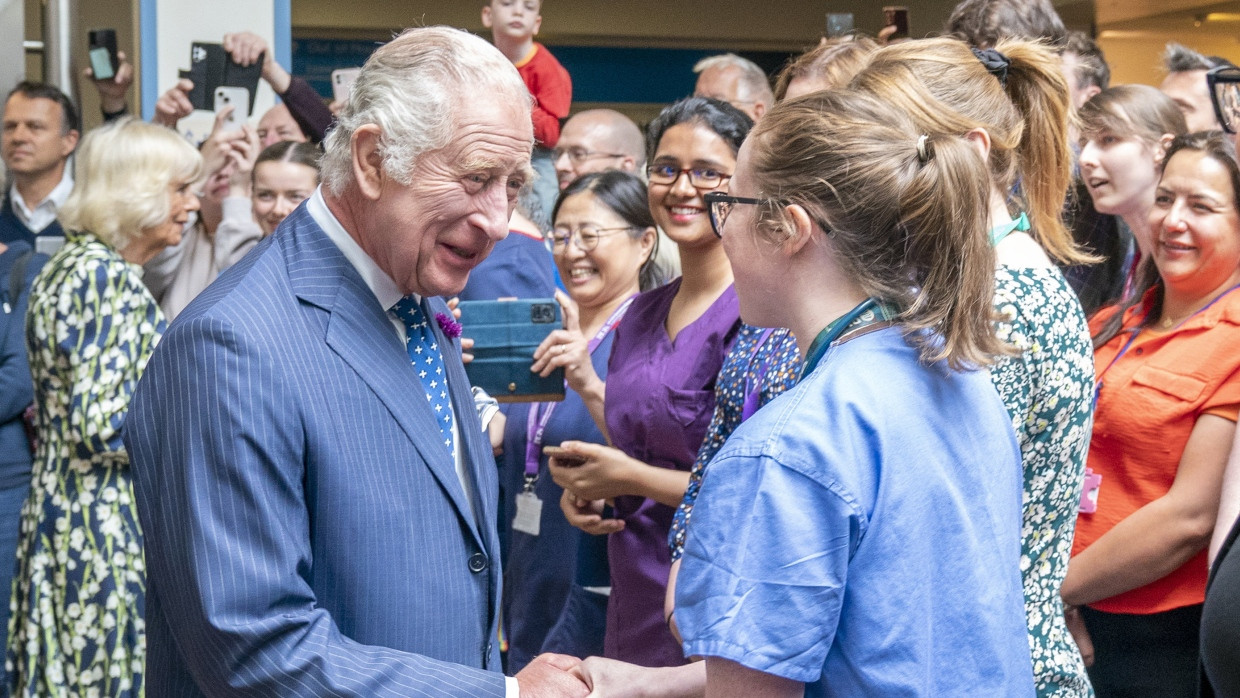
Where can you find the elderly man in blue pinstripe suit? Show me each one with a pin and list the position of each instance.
(313, 526)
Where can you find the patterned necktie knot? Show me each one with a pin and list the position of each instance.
(427, 362)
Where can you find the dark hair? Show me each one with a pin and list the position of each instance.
(982, 23)
(907, 213)
(625, 195)
(1217, 147)
(41, 90)
(731, 124)
(1091, 62)
(1178, 58)
(307, 154)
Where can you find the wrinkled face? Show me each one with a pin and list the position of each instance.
(430, 234)
(278, 125)
(1196, 229)
(1121, 173)
(181, 201)
(724, 84)
(678, 207)
(585, 146)
(515, 19)
(33, 141)
(608, 272)
(279, 187)
(1192, 96)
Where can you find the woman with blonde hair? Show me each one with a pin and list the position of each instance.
(78, 595)
(1011, 103)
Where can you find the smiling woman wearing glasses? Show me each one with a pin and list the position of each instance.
(603, 243)
(664, 365)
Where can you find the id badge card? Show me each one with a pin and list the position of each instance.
(529, 514)
(1089, 493)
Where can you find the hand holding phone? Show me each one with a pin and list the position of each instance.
(104, 58)
(563, 457)
(238, 100)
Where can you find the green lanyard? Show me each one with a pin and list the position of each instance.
(869, 312)
(999, 232)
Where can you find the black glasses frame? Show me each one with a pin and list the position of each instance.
(1218, 80)
(723, 178)
(719, 205)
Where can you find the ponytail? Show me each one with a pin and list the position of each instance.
(908, 218)
(1037, 88)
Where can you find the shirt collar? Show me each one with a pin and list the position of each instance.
(54, 201)
(379, 283)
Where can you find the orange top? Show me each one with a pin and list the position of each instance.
(1149, 401)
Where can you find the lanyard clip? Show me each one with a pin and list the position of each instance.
(529, 484)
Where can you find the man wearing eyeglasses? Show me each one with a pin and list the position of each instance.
(598, 140)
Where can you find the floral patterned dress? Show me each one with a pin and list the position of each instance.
(1048, 391)
(760, 365)
(78, 596)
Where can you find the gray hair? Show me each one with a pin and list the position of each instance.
(1178, 58)
(411, 88)
(753, 78)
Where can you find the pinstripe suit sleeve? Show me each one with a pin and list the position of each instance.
(220, 457)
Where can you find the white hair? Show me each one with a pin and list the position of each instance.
(411, 89)
(124, 169)
(753, 78)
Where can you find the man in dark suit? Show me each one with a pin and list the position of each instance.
(40, 133)
(319, 513)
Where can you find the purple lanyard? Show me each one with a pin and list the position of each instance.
(753, 389)
(1137, 330)
(540, 412)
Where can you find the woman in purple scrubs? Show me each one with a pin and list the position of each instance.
(664, 364)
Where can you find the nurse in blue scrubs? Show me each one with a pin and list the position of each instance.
(860, 535)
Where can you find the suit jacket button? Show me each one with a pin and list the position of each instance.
(477, 562)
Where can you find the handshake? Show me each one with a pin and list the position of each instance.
(555, 675)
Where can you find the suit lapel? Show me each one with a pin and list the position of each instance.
(362, 335)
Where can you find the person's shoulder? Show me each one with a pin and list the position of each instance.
(548, 59)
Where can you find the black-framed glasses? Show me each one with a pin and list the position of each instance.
(1224, 84)
(720, 205)
(585, 237)
(578, 155)
(699, 177)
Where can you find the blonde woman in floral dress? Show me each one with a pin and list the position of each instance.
(77, 601)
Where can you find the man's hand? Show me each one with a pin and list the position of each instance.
(174, 104)
(548, 676)
(246, 48)
(112, 92)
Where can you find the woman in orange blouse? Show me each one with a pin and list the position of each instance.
(1168, 392)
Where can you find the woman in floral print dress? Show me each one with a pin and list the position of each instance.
(77, 601)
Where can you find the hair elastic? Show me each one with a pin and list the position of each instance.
(925, 149)
(996, 63)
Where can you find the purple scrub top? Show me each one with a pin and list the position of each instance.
(659, 401)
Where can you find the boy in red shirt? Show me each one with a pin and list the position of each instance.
(513, 25)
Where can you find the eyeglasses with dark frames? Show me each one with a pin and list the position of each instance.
(720, 205)
(1224, 84)
(585, 237)
(699, 177)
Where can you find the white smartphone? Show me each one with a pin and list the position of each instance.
(342, 83)
(239, 99)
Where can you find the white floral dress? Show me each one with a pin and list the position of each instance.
(1048, 392)
(78, 596)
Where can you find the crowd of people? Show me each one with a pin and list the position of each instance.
(901, 372)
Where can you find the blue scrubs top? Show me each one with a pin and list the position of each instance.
(861, 534)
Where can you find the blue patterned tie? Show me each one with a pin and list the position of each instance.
(427, 362)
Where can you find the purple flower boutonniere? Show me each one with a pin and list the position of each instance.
(451, 328)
